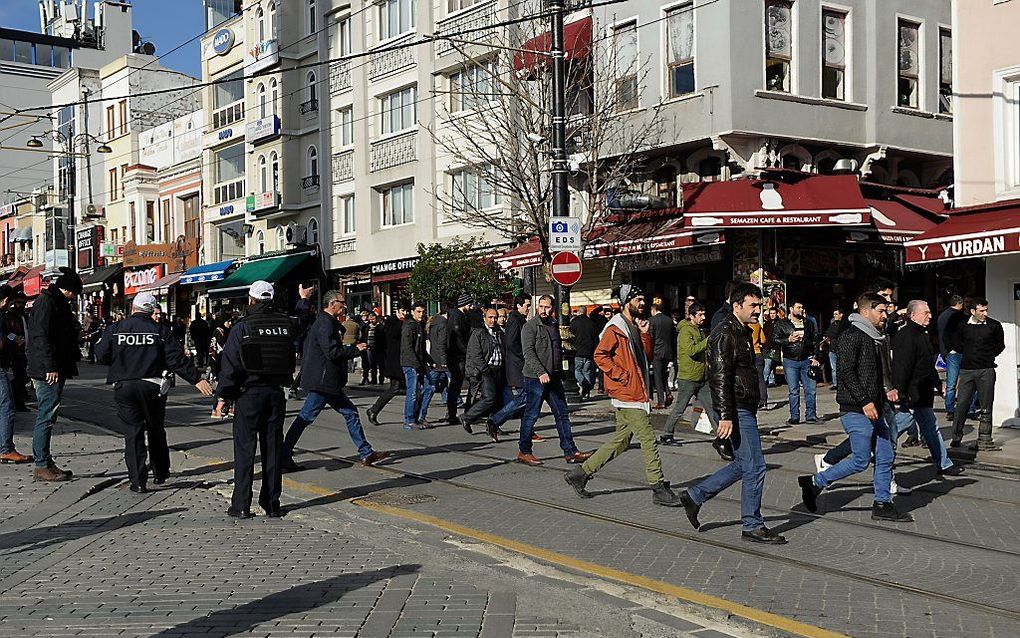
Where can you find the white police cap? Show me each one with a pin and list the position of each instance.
(146, 301)
(262, 290)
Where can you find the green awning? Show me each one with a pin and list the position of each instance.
(272, 269)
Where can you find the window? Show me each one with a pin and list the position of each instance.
(778, 45)
(274, 167)
(625, 42)
(398, 205)
(346, 117)
(274, 94)
(347, 226)
(909, 65)
(457, 5)
(23, 52)
(61, 57)
(945, 71)
(260, 20)
(111, 122)
(133, 221)
(123, 112)
(281, 238)
(43, 54)
(229, 163)
(115, 236)
(112, 186)
(396, 17)
(399, 110)
(263, 175)
(271, 20)
(310, 82)
(472, 87)
(311, 17)
(472, 190)
(260, 242)
(150, 222)
(123, 172)
(167, 230)
(192, 219)
(261, 92)
(229, 90)
(6, 49)
(834, 55)
(680, 53)
(313, 161)
(313, 231)
(343, 30)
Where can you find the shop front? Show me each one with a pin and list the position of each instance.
(285, 270)
(389, 281)
(198, 280)
(157, 268)
(988, 236)
(103, 291)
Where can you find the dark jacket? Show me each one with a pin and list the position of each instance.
(719, 316)
(233, 378)
(859, 369)
(52, 336)
(585, 339)
(979, 344)
(324, 362)
(412, 345)
(732, 375)
(913, 367)
(391, 336)
(599, 320)
(799, 350)
(480, 346)
(536, 343)
(140, 348)
(663, 337)
(457, 332)
(947, 323)
(200, 332)
(438, 336)
(514, 362)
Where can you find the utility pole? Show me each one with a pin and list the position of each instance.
(558, 151)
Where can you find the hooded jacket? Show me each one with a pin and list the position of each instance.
(624, 363)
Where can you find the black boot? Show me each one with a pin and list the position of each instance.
(886, 512)
(662, 495)
(373, 418)
(763, 535)
(577, 479)
(809, 492)
(692, 509)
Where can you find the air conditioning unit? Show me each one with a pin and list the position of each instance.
(297, 234)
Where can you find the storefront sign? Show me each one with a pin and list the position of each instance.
(773, 220)
(261, 56)
(178, 256)
(223, 41)
(112, 250)
(32, 286)
(135, 279)
(993, 243)
(262, 201)
(7, 210)
(394, 267)
(261, 129)
(88, 242)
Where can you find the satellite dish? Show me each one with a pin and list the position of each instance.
(148, 48)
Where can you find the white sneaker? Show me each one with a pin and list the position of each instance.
(820, 464)
(895, 489)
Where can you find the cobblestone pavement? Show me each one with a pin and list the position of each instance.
(951, 573)
(91, 558)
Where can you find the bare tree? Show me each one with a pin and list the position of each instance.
(495, 117)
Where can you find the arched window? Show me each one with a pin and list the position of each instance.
(260, 242)
(274, 161)
(274, 94)
(311, 86)
(311, 17)
(272, 20)
(281, 238)
(263, 175)
(313, 161)
(260, 20)
(261, 93)
(313, 231)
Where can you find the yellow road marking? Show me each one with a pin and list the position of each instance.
(683, 593)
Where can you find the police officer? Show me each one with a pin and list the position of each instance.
(140, 352)
(258, 362)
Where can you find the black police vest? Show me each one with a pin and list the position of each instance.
(268, 349)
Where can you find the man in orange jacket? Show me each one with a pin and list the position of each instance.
(622, 355)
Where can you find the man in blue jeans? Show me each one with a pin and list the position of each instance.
(514, 398)
(415, 363)
(324, 377)
(53, 354)
(543, 381)
(733, 377)
(862, 354)
(948, 322)
(798, 338)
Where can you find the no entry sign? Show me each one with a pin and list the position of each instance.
(566, 268)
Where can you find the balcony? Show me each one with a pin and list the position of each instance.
(476, 17)
(346, 245)
(339, 77)
(309, 107)
(394, 151)
(310, 182)
(342, 167)
(228, 114)
(387, 61)
(228, 191)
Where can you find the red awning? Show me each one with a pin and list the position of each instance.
(32, 281)
(819, 200)
(162, 285)
(525, 255)
(577, 38)
(646, 236)
(892, 223)
(930, 204)
(977, 231)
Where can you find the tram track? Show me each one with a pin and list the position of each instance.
(678, 535)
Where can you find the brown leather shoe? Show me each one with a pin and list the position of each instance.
(15, 457)
(536, 437)
(374, 458)
(529, 459)
(51, 474)
(577, 457)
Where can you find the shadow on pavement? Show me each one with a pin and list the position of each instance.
(302, 598)
(39, 537)
(191, 445)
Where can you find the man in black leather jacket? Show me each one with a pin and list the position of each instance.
(733, 378)
(798, 338)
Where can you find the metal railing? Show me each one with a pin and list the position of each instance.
(311, 106)
(311, 181)
(342, 166)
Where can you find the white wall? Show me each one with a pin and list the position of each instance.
(1001, 274)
